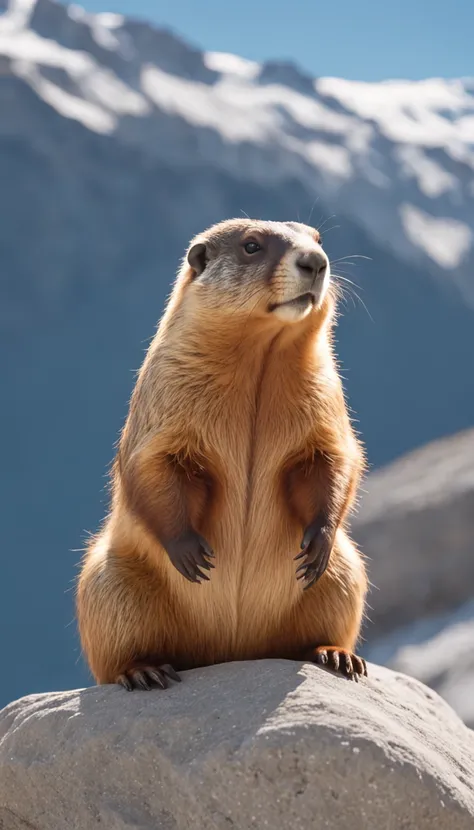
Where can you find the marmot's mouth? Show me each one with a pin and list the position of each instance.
(298, 302)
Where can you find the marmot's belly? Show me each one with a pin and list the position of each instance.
(237, 616)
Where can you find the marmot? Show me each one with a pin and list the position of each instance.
(237, 458)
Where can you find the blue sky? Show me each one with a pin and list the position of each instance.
(361, 39)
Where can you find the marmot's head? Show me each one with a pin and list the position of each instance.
(265, 269)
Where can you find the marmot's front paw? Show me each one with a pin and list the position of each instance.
(316, 548)
(146, 677)
(189, 553)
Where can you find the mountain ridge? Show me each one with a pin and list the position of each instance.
(134, 80)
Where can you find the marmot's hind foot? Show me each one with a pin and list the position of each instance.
(146, 677)
(340, 660)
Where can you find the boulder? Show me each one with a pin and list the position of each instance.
(416, 526)
(266, 744)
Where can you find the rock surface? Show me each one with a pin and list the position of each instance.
(416, 525)
(268, 744)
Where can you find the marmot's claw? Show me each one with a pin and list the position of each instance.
(189, 554)
(147, 677)
(316, 549)
(341, 660)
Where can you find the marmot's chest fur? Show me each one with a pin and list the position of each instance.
(254, 420)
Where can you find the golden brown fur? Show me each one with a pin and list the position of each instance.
(237, 430)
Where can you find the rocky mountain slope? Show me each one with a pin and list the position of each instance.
(270, 743)
(118, 141)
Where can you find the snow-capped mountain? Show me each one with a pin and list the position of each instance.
(397, 157)
(118, 141)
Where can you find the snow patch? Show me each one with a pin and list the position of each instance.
(70, 106)
(430, 113)
(111, 93)
(309, 113)
(103, 92)
(30, 47)
(432, 179)
(103, 29)
(76, 12)
(446, 241)
(107, 33)
(263, 115)
(104, 37)
(228, 64)
(331, 158)
(17, 15)
(110, 20)
(204, 107)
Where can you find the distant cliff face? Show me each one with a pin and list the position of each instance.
(117, 143)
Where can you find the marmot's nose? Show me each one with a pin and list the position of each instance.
(313, 264)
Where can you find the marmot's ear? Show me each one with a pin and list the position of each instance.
(197, 258)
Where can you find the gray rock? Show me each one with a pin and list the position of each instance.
(416, 525)
(267, 744)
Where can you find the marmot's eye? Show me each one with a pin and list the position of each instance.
(252, 247)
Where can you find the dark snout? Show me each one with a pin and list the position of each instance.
(312, 266)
